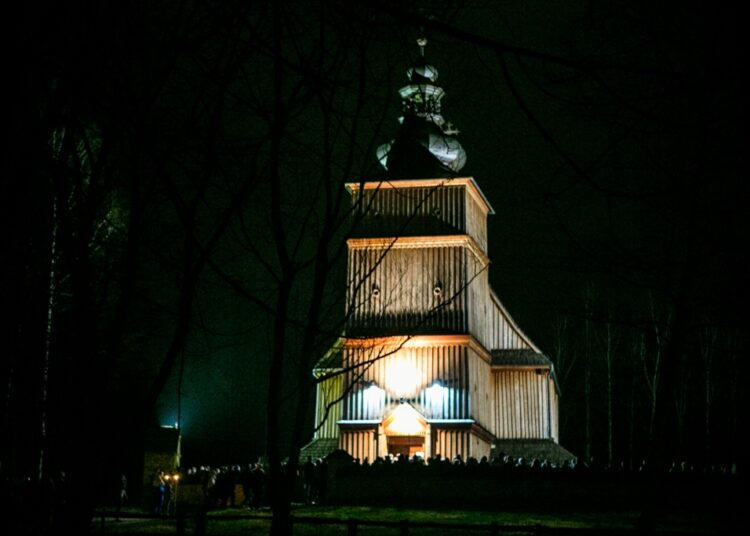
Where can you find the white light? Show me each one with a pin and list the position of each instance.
(436, 391)
(374, 399)
(435, 396)
(401, 378)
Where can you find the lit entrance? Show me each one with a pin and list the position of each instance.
(406, 445)
(405, 431)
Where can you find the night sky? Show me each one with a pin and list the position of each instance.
(608, 137)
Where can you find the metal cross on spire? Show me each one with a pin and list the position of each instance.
(422, 42)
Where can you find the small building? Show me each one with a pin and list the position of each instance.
(431, 362)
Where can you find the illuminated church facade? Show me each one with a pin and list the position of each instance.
(431, 362)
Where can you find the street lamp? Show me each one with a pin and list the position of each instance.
(171, 482)
(176, 480)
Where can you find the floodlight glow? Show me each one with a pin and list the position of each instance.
(401, 378)
(437, 388)
(436, 394)
(404, 421)
(373, 399)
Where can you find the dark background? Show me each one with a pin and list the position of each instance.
(608, 138)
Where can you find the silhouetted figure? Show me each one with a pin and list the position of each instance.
(122, 494)
(246, 480)
(159, 490)
(308, 480)
(258, 482)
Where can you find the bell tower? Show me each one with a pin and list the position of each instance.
(431, 363)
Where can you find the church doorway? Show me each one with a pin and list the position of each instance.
(409, 446)
(405, 431)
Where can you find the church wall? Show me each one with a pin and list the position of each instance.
(476, 221)
(522, 404)
(479, 448)
(406, 289)
(360, 443)
(554, 418)
(451, 441)
(487, 320)
(327, 392)
(501, 334)
(416, 210)
(480, 385)
(407, 373)
(476, 296)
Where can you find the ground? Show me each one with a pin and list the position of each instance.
(316, 520)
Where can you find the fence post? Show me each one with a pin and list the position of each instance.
(351, 529)
(404, 523)
(180, 524)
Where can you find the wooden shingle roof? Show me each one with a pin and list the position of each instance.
(541, 449)
(525, 357)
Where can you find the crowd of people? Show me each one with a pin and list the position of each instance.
(512, 465)
(226, 486)
(245, 486)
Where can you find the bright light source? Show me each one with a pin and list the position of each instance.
(374, 399)
(404, 421)
(436, 394)
(401, 378)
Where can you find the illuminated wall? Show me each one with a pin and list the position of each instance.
(422, 326)
(408, 285)
(427, 207)
(525, 404)
(327, 410)
(385, 375)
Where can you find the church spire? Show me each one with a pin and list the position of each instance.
(425, 146)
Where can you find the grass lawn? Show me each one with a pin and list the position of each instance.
(238, 521)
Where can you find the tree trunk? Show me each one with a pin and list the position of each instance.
(610, 419)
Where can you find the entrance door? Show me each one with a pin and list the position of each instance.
(409, 446)
(405, 430)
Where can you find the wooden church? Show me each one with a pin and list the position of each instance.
(431, 362)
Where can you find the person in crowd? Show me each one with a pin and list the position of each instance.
(122, 494)
(308, 480)
(159, 490)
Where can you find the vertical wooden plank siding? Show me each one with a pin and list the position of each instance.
(481, 387)
(477, 290)
(476, 222)
(328, 392)
(421, 210)
(407, 374)
(432, 280)
(522, 407)
(359, 443)
(479, 448)
(394, 289)
(501, 334)
(554, 418)
(452, 441)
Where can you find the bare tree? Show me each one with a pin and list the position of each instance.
(651, 360)
(608, 342)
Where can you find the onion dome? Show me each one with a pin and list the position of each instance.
(425, 146)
